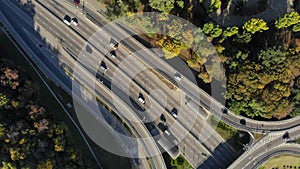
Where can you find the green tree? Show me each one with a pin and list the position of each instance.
(230, 31)
(8, 165)
(288, 20)
(162, 5)
(61, 129)
(208, 27)
(215, 4)
(212, 30)
(243, 38)
(180, 3)
(2, 131)
(3, 100)
(255, 25)
(272, 57)
(296, 27)
(216, 32)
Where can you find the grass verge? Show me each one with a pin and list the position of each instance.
(282, 162)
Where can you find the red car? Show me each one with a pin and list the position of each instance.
(77, 2)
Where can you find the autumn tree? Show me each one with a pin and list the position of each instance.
(263, 88)
(288, 20)
(255, 25)
(162, 5)
(170, 47)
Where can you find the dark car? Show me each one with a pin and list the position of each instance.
(88, 49)
(103, 66)
(243, 122)
(99, 77)
(286, 136)
(112, 54)
(163, 118)
(67, 20)
(174, 113)
(224, 110)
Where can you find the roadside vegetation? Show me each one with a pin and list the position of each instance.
(72, 140)
(235, 138)
(179, 163)
(261, 59)
(31, 136)
(282, 162)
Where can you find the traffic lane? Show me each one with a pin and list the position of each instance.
(190, 149)
(26, 31)
(61, 10)
(32, 44)
(283, 149)
(124, 109)
(59, 28)
(40, 55)
(207, 101)
(60, 34)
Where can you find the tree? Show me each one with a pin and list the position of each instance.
(296, 27)
(3, 100)
(255, 25)
(208, 27)
(216, 32)
(272, 57)
(215, 4)
(180, 3)
(288, 20)
(8, 165)
(48, 164)
(230, 31)
(2, 131)
(170, 47)
(162, 5)
(243, 38)
(212, 30)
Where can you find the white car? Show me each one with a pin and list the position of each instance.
(177, 76)
(112, 54)
(74, 21)
(141, 98)
(167, 132)
(174, 113)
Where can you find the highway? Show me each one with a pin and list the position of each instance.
(233, 120)
(31, 40)
(200, 138)
(202, 98)
(190, 150)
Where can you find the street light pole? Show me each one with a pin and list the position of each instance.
(83, 6)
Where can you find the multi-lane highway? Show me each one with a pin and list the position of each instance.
(23, 27)
(198, 142)
(192, 145)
